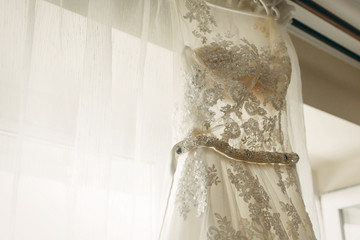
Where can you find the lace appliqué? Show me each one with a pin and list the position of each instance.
(294, 219)
(221, 88)
(225, 230)
(264, 222)
(280, 183)
(198, 11)
(292, 179)
(194, 184)
(254, 194)
(249, 230)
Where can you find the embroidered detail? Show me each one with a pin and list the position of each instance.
(225, 231)
(247, 185)
(231, 131)
(196, 179)
(198, 11)
(280, 183)
(294, 219)
(228, 61)
(212, 177)
(230, 90)
(253, 193)
(292, 179)
(263, 222)
(212, 95)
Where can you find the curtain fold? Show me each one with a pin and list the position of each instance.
(86, 97)
(89, 180)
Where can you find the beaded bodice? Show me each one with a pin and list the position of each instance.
(234, 77)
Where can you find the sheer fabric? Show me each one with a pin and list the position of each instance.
(85, 118)
(78, 95)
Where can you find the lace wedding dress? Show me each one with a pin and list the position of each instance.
(235, 171)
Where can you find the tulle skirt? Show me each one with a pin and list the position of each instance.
(216, 197)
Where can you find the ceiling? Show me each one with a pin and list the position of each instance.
(330, 83)
(331, 92)
(348, 10)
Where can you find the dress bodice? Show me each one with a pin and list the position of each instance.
(235, 71)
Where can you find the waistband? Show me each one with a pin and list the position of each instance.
(236, 154)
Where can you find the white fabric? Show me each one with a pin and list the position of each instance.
(85, 132)
(74, 163)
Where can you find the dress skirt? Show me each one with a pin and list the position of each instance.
(215, 197)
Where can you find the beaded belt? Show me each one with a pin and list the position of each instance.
(234, 153)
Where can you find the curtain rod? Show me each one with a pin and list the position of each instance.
(325, 39)
(329, 17)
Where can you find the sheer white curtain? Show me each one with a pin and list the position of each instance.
(85, 118)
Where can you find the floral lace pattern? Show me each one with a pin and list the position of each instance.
(234, 91)
(294, 219)
(264, 221)
(237, 94)
(196, 179)
(226, 231)
(254, 194)
(200, 12)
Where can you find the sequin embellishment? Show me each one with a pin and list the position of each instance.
(195, 182)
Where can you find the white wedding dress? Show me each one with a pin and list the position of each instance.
(235, 170)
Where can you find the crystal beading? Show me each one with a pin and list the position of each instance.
(234, 153)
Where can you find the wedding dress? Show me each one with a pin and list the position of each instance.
(235, 170)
